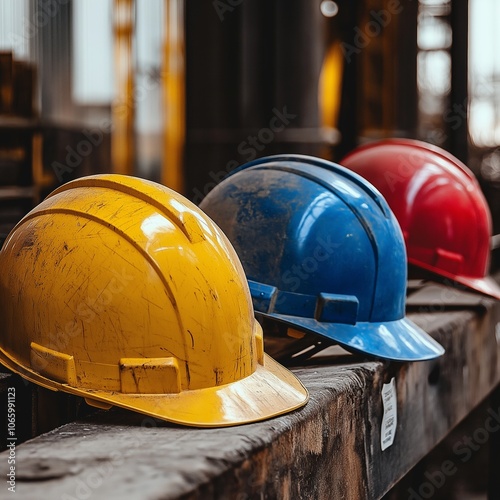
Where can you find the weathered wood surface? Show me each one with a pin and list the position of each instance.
(328, 450)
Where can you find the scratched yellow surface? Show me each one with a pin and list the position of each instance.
(122, 291)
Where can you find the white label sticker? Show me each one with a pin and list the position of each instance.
(390, 418)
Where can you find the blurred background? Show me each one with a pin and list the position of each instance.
(184, 92)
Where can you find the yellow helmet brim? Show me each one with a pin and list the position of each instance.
(270, 391)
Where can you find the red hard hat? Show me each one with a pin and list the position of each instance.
(437, 200)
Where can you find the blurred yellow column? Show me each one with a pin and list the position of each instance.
(330, 85)
(173, 95)
(122, 138)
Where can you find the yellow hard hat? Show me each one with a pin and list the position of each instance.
(122, 291)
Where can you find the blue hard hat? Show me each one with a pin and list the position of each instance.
(322, 252)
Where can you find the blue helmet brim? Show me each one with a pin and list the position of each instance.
(399, 340)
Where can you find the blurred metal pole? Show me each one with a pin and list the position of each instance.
(257, 62)
(406, 87)
(123, 107)
(349, 107)
(300, 46)
(173, 79)
(213, 89)
(459, 21)
(246, 63)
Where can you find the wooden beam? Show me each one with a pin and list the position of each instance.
(329, 449)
